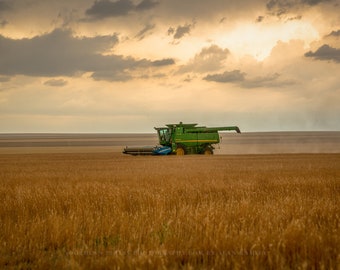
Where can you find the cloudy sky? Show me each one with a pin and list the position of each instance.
(130, 65)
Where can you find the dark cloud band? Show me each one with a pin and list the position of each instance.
(325, 52)
(104, 8)
(60, 54)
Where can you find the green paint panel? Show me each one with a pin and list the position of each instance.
(194, 139)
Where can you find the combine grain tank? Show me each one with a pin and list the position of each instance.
(182, 139)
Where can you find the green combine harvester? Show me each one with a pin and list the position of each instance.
(182, 139)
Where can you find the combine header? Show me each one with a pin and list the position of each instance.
(182, 139)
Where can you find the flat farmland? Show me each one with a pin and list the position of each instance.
(100, 209)
(231, 143)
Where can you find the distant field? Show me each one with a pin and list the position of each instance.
(101, 210)
(232, 143)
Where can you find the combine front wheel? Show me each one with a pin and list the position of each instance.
(180, 151)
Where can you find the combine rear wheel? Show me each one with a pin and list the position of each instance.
(208, 151)
(180, 151)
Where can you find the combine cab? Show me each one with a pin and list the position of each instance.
(182, 139)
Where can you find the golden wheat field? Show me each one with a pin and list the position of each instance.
(106, 210)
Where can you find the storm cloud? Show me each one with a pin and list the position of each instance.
(334, 34)
(234, 76)
(286, 4)
(325, 52)
(280, 7)
(60, 54)
(104, 8)
(142, 33)
(240, 78)
(314, 2)
(180, 31)
(146, 4)
(56, 82)
(4, 5)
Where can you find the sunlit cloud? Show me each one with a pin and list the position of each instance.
(259, 39)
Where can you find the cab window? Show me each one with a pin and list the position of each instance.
(164, 135)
